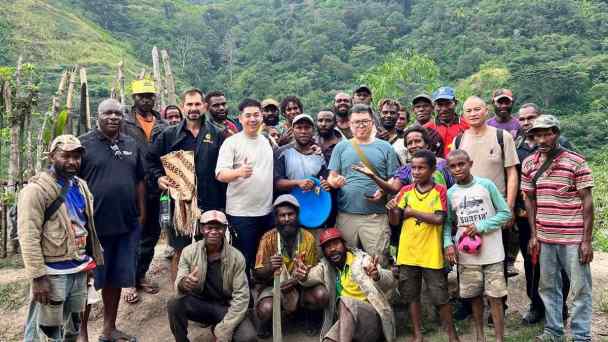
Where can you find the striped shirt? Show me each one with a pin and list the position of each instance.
(559, 207)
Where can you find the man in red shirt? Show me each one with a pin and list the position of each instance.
(447, 123)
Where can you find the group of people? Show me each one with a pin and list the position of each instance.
(444, 190)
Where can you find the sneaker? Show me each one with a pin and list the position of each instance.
(533, 316)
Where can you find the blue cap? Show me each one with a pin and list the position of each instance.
(444, 93)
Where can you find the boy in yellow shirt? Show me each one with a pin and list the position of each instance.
(421, 209)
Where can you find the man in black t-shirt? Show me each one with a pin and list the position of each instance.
(113, 169)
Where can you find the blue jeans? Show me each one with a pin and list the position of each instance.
(60, 320)
(553, 259)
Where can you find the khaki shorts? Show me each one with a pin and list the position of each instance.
(410, 284)
(476, 280)
(371, 232)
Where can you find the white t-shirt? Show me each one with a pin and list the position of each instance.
(401, 150)
(248, 196)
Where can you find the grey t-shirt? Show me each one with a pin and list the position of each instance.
(351, 197)
(248, 196)
(291, 164)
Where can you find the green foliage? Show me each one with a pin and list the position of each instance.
(59, 124)
(600, 200)
(402, 76)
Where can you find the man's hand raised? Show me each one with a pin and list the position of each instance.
(300, 271)
(190, 282)
(371, 269)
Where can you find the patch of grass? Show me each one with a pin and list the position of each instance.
(603, 305)
(13, 261)
(12, 295)
(600, 201)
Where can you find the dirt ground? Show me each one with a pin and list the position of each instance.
(148, 319)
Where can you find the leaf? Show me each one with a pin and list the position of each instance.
(60, 123)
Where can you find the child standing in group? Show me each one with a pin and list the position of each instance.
(477, 208)
(421, 208)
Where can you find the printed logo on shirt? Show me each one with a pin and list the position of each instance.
(471, 210)
(208, 139)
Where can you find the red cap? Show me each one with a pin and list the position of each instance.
(329, 234)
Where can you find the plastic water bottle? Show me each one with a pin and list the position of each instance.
(165, 211)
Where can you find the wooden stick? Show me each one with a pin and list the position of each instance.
(157, 80)
(277, 328)
(169, 80)
(85, 113)
(121, 82)
(14, 123)
(69, 101)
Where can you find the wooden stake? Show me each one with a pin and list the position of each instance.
(157, 80)
(69, 101)
(121, 82)
(169, 80)
(85, 105)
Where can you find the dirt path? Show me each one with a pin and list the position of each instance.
(148, 318)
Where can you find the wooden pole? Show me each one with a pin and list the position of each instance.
(121, 82)
(69, 102)
(85, 105)
(169, 80)
(158, 83)
(14, 123)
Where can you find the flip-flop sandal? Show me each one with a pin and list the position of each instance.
(130, 296)
(118, 335)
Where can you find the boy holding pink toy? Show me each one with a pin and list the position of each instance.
(479, 211)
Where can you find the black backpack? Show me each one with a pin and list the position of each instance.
(500, 137)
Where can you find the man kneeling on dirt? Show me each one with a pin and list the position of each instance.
(278, 252)
(212, 286)
(357, 287)
(58, 242)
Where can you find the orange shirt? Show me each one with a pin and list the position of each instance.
(146, 125)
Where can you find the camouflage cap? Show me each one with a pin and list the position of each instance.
(545, 121)
(66, 142)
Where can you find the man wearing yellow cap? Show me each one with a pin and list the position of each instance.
(144, 124)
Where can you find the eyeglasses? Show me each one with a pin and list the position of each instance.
(117, 152)
(361, 123)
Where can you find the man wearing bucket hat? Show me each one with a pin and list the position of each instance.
(212, 286)
(279, 251)
(144, 124)
(357, 288)
(557, 184)
(59, 242)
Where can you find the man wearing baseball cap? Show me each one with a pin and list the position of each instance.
(270, 111)
(502, 100)
(357, 286)
(59, 242)
(558, 183)
(278, 252)
(447, 123)
(212, 286)
(363, 95)
(296, 163)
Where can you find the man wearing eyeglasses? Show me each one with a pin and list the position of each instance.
(361, 213)
(113, 169)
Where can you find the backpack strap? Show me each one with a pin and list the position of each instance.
(52, 209)
(500, 137)
(550, 158)
(457, 141)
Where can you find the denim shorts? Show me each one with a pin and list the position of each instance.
(120, 260)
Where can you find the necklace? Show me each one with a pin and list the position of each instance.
(421, 197)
